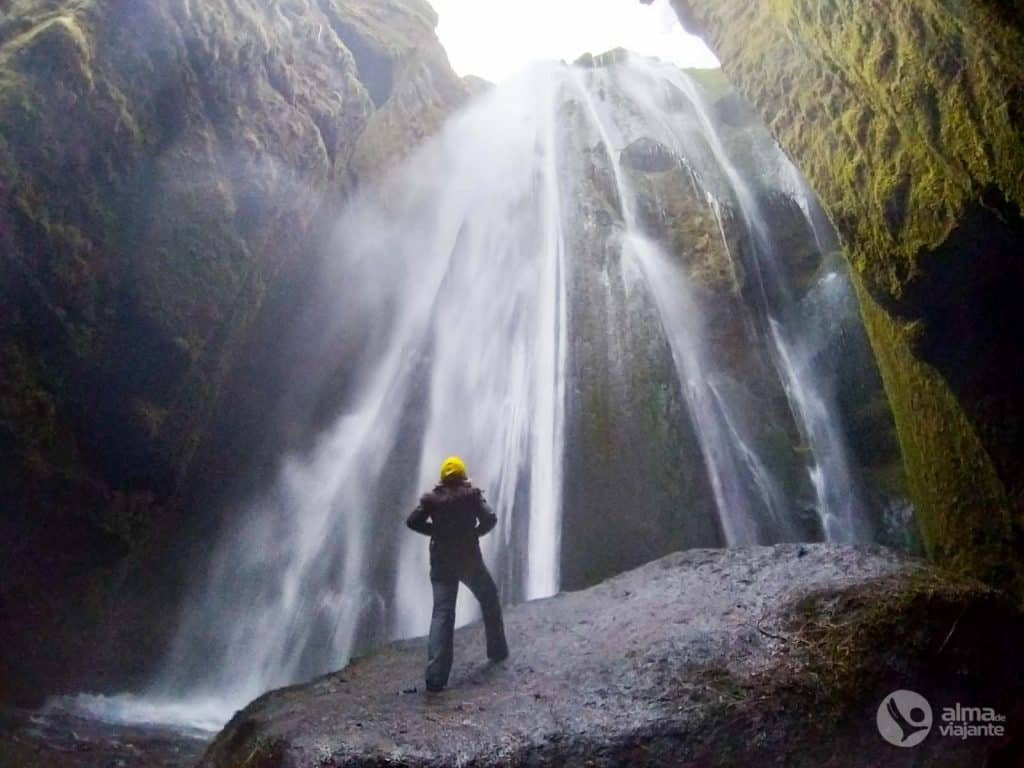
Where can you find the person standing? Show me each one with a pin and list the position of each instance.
(455, 515)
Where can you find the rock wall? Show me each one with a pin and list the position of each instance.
(634, 463)
(634, 482)
(165, 166)
(908, 120)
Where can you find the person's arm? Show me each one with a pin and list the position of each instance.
(419, 521)
(485, 518)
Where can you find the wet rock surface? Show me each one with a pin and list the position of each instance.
(166, 172)
(907, 121)
(649, 156)
(766, 655)
(692, 184)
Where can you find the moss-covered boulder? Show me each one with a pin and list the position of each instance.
(908, 120)
(163, 166)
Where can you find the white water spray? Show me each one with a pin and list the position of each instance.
(456, 271)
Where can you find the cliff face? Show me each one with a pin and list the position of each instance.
(163, 167)
(908, 120)
(633, 440)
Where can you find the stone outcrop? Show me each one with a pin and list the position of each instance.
(908, 120)
(761, 656)
(164, 166)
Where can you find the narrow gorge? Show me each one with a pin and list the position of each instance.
(265, 264)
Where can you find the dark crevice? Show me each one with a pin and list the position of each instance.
(897, 204)
(374, 67)
(932, 113)
(967, 300)
(328, 135)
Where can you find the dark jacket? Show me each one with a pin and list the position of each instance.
(454, 516)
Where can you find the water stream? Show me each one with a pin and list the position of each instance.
(461, 272)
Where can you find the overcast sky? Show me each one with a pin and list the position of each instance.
(496, 38)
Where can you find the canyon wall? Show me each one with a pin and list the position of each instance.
(908, 120)
(168, 171)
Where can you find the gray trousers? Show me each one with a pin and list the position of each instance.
(442, 621)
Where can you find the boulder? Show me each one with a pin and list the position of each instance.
(649, 156)
(765, 655)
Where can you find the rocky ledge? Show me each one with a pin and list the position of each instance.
(765, 655)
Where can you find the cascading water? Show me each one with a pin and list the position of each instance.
(836, 491)
(484, 277)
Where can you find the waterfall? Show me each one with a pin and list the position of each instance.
(523, 244)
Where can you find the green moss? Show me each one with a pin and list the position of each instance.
(907, 124)
(963, 510)
(713, 81)
(891, 477)
(30, 419)
(843, 637)
(691, 231)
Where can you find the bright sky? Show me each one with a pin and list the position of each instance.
(496, 38)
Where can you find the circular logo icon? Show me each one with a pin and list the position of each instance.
(904, 718)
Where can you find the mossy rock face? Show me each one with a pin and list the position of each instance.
(164, 169)
(907, 119)
(634, 464)
(631, 437)
(672, 209)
